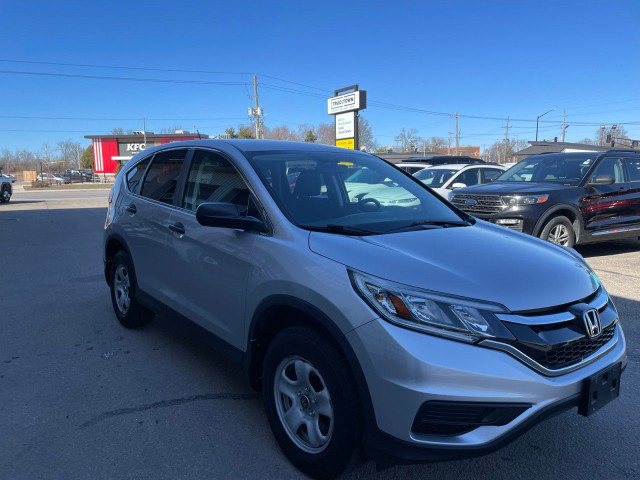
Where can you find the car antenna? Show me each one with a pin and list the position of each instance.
(198, 132)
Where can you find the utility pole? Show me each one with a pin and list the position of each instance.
(256, 111)
(144, 131)
(457, 135)
(449, 148)
(255, 95)
(506, 140)
(564, 124)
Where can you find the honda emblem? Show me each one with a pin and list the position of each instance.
(592, 324)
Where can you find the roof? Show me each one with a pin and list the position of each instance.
(460, 166)
(251, 145)
(557, 147)
(397, 157)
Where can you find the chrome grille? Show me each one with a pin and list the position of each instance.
(554, 341)
(485, 206)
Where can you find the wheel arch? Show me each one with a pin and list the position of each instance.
(113, 244)
(278, 312)
(565, 210)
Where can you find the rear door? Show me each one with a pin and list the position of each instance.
(148, 210)
(606, 207)
(210, 265)
(632, 167)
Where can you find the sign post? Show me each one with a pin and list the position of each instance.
(345, 107)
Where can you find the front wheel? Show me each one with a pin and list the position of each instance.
(5, 196)
(311, 403)
(559, 230)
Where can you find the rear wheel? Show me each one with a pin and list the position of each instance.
(5, 195)
(311, 403)
(559, 230)
(123, 293)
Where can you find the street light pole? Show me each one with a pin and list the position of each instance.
(538, 119)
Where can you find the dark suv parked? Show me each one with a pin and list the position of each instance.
(566, 198)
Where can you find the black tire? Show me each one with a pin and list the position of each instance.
(559, 230)
(135, 315)
(342, 450)
(4, 198)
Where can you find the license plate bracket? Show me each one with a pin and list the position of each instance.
(600, 389)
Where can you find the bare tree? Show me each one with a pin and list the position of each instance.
(365, 135)
(70, 152)
(326, 133)
(616, 133)
(283, 133)
(406, 138)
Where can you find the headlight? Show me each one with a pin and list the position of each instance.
(514, 200)
(455, 318)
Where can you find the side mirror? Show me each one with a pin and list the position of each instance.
(457, 185)
(603, 180)
(226, 215)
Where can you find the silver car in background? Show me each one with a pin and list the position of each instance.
(388, 329)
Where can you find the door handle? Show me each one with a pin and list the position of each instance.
(177, 228)
(131, 208)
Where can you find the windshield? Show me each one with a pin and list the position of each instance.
(541, 168)
(344, 192)
(435, 177)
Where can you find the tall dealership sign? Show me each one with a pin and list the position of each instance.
(345, 107)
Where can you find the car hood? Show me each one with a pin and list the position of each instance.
(483, 261)
(501, 188)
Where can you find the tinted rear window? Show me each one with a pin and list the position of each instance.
(162, 178)
(134, 175)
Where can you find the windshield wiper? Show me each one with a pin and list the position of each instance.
(339, 229)
(432, 224)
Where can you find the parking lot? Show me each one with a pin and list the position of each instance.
(82, 397)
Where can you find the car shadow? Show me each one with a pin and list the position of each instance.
(611, 247)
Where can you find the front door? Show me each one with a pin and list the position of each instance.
(605, 206)
(211, 265)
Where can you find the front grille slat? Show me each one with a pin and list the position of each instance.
(487, 205)
(574, 352)
(562, 333)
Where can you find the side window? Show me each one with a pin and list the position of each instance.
(633, 169)
(490, 174)
(611, 167)
(162, 178)
(213, 179)
(134, 175)
(469, 177)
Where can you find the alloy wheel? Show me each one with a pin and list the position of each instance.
(122, 286)
(559, 235)
(303, 404)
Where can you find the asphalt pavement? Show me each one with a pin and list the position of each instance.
(81, 397)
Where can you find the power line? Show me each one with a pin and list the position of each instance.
(120, 67)
(131, 79)
(32, 117)
(377, 104)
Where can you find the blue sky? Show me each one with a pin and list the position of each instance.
(488, 59)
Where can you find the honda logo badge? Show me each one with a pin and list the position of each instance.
(592, 323)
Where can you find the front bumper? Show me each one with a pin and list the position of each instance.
(404, 369)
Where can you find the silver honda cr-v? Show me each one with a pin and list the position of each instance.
(409, 330)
